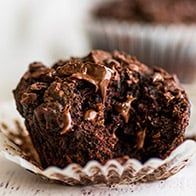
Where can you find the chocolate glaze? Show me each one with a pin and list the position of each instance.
(98, 56)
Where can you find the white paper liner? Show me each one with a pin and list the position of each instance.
(93, 173)
(171, 46)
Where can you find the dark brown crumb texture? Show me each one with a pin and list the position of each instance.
(103, 106)
(149, 11)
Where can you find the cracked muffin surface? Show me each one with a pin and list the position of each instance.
(105, 105)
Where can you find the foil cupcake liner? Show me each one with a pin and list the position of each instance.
(15, 145)
(172, 47)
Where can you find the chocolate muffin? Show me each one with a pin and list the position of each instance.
(149, 11)
(100, 107)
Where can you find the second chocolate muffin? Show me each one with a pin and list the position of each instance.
(102, 106)
(148, 11)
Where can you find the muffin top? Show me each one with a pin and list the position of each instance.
(149, 11)
(102, 106)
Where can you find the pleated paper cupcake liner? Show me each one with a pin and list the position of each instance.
(172, 47)
(16, 146)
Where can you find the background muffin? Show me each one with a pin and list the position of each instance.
(157, 32)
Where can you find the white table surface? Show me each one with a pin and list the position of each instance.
(17, 181)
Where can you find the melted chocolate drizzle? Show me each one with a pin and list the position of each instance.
(67, 121)
(97, 74)
(141, 139)
(124, 108)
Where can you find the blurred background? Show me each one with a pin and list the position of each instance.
(38, 30)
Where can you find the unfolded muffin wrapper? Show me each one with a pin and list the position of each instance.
(15, 145)
(172, 47)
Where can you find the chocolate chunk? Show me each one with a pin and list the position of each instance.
(67, 121)
(96, 74)
(124, 108)
(157, 77)
(35, 66)
(90, 115)
(28, 98)
(100, 107)
(38, 86)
